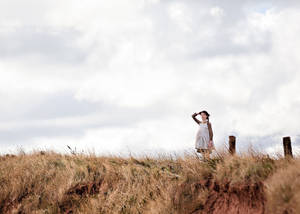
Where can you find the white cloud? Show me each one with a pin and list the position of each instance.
(217, 12)
(149, 65)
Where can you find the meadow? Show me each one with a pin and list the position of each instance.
(50, 182)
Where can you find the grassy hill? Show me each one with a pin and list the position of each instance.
(49, 182)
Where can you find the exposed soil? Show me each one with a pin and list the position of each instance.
(220, 198)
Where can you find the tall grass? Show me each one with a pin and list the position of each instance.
(49, 182)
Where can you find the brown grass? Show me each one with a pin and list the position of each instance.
(49, 182)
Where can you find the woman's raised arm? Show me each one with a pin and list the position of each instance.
(194, 117)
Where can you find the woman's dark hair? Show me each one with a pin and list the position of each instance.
(205, 112)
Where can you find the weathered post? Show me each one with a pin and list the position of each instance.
(232, 144)
(287, 147)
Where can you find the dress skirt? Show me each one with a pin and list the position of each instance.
(202, 137)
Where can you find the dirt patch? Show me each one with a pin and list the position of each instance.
(211, 197)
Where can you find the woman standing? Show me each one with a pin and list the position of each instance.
(204, 138)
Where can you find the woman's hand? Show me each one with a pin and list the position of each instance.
(194, 115)
(211, 145)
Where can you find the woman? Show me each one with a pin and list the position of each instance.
(204, 138)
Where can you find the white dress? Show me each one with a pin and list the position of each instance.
(202, 137)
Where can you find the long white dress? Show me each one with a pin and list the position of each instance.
(202, 136)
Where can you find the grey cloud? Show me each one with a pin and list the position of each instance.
(17, 136)
(219, 41)
(221, 44)
(51, 44)
(59, 106)
(62, 105)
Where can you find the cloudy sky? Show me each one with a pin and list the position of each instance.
(124, 76)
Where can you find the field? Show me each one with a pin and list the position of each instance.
(50, 182)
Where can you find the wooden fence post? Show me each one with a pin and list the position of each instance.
(232, 144)
(287, 147)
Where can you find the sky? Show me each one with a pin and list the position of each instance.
(125, 76)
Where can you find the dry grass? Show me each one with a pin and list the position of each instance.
(49, 182)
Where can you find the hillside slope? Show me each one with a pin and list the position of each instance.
(49, 182)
